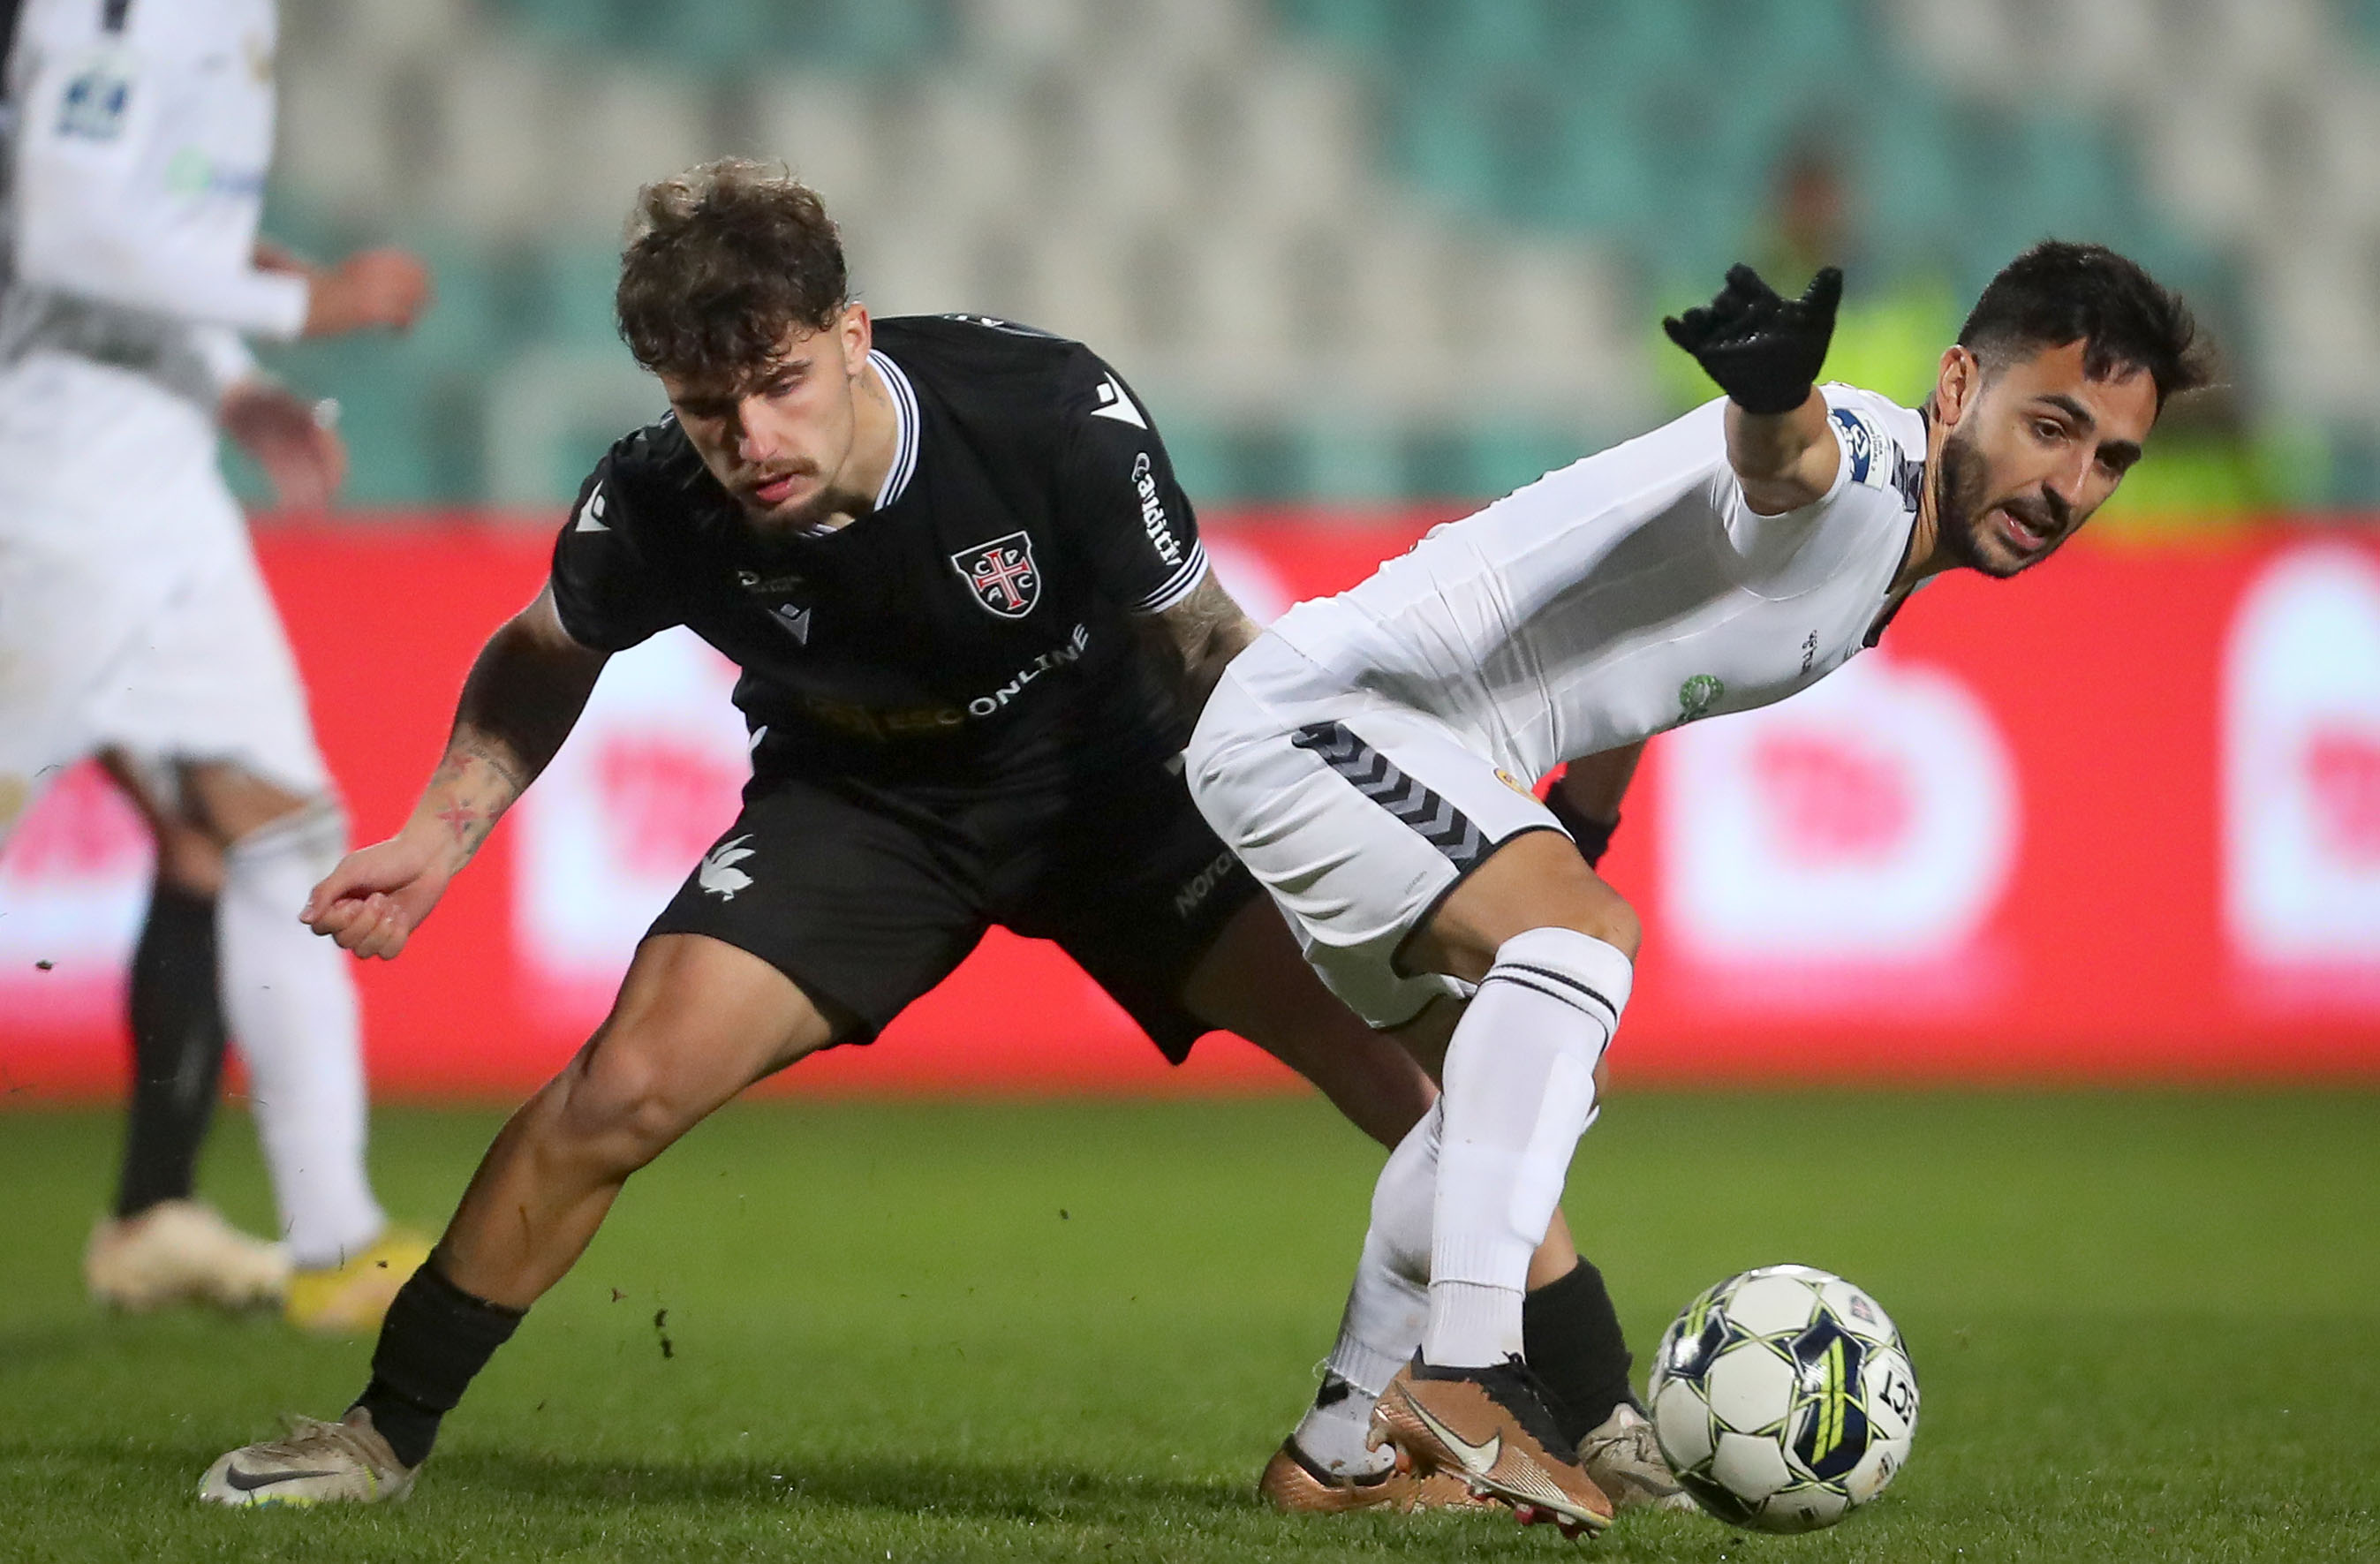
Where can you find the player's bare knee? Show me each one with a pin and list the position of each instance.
(618, 1099)
(1610, 919)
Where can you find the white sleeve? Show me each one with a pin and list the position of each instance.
(105, 203)
(227, 359)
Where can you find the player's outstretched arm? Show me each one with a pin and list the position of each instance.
(1765, 353)
(523, 696)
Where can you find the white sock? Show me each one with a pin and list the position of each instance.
(1387, 1307)
(291, 1003)
(1519, 1090)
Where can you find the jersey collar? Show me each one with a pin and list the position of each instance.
(904, 444)
(905, 427)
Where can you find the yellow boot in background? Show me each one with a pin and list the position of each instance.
(348, 1300)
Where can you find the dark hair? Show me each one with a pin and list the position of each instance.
(2057, 293)
(720, 262)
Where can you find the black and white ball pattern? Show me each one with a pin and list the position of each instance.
(1783, 1399)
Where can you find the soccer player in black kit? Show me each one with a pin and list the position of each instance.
(975, 623)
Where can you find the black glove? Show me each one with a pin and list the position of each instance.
(1764, 353)
(1593, 837)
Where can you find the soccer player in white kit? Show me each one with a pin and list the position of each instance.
(133, 621)
(1370, 758)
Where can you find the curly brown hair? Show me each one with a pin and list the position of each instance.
(720, 262)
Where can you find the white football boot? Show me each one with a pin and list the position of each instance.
(181, 1251)
(342, 1462)
(1625, 1461)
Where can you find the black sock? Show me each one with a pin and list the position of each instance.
(177, 1049)
(436, 1338)
(1571, 1335)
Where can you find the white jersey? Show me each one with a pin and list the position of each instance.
(140, 132)
(1630, 592)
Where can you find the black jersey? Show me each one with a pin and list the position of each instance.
(973, 631)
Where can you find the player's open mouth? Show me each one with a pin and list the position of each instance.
(2026, 537)
(777, 490)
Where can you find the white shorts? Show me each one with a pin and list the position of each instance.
(132, 614)
(1357, 813)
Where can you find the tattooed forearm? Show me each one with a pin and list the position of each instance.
(467, 794)
(1197, 638)
(523, 698)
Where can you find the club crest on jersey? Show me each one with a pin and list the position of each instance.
(1003, 574)
(1698, 695)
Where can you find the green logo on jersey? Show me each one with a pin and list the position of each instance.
(1698, 695)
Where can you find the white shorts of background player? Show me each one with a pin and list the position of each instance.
(132, 614)
(1357, 858)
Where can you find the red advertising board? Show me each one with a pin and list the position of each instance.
(2117, 820)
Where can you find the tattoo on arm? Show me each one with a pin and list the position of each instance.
(523, 696)
(1197, 639)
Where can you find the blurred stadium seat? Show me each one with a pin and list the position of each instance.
(1348, 248)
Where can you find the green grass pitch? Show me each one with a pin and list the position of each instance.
(2147, 1326)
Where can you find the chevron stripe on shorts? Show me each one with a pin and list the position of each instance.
(1431, 818)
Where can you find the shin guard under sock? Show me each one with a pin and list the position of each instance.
(435, 1339)
(1519, 1088)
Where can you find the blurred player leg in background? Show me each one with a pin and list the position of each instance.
(219, 734)
(161, 1245)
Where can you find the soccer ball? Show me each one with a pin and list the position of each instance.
(1783, 1399)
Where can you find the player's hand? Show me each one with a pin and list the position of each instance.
(1766, 352)
(378, 895)
(373, 289)
(290, 438)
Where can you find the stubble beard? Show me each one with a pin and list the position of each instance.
(1960, 510)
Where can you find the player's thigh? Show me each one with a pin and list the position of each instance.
(1254, 981)
(1135, 886)
(1360, 818)
(1130, 883)
(187, 858)
(837, 891)
(226, 802)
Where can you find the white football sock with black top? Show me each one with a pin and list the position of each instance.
(1519, 1090)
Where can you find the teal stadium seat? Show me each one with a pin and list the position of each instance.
(1463, 36)
(735, 37)
(2363, 20)
(1362, 27)
(580, 280)
(1658, 127)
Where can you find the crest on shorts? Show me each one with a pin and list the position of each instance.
(718, 874)
(1002, 573)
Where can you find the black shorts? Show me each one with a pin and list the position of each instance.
(868, 895)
